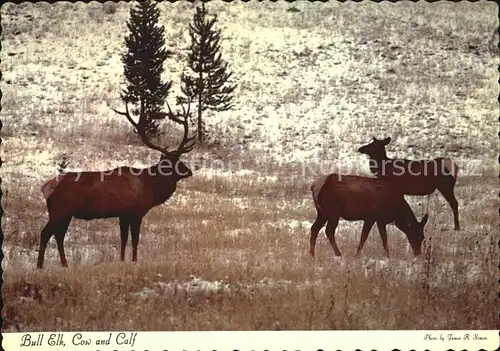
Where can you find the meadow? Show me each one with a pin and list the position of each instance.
(229, 251)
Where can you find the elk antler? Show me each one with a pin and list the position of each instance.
(140, 126)
(187, 144)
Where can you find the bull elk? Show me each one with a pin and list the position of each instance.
(371, 200)
(420, 177)
(124, 192)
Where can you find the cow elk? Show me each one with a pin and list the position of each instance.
(415, 177)
(371, 200)
(124, 192)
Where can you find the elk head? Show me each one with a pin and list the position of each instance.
(414, 230)
(169, 163)
(376, 149)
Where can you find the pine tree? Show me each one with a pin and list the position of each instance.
(63, 163)
(143, 63)
(208, 84)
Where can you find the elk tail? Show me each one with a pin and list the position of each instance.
(316, 187)
(49, 187)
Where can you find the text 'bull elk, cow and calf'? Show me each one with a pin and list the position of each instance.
(129, 193)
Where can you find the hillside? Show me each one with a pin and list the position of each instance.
(313, 86)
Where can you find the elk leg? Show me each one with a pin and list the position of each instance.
(448, 194)
(59, 234)
(135, 228)
(45, 236)
(124, 227)
(315, 228)
(383, 235)
(367, 226)
(330, 234)
(60, 248)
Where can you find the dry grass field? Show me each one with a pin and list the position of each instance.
(229, 251)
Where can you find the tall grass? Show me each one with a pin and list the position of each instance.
(230, 249)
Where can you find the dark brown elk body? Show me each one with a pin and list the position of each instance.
(370, 200)
(415, 177)
(125, 192)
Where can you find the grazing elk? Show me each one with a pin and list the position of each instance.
(371, 200)
(420, 177)
(125, 192)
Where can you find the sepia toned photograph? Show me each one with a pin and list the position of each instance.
(249, 166)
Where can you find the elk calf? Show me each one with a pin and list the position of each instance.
(414, 177)
(370, 200)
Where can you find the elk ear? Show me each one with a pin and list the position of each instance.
(386, 140)
(375, 139)
(424, 220)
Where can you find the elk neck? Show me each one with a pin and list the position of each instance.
(163, 180)
(405, 218)
(379, 162)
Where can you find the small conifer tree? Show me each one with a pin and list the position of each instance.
(143, 63)
(63, 163)
(208, 85)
